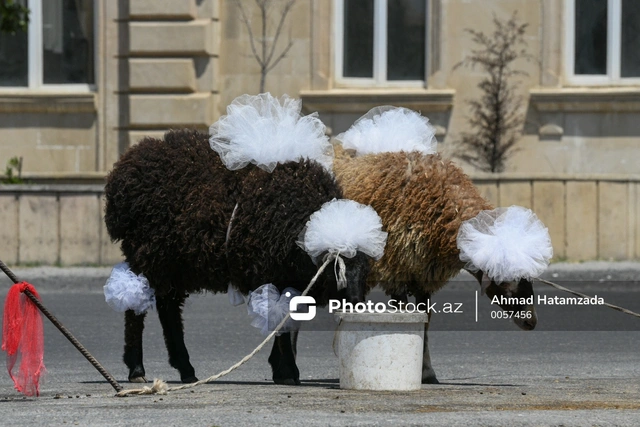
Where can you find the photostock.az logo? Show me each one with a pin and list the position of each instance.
(307, 301)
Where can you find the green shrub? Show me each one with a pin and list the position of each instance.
(13, 172)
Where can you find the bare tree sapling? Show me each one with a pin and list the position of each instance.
(263, 46)
(496, 118)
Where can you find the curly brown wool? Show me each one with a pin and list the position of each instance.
(170, 201)
(272, 211)
(422, 200)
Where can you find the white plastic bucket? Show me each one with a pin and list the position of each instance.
(380, 351)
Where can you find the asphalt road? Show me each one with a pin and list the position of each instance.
(581, 366)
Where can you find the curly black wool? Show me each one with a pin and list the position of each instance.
(170, 201)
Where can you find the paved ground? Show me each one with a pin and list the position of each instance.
(581, 366)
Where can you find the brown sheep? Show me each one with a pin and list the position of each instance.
(422, 199)
(402, 189)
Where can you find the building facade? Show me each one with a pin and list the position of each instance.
(92, 77)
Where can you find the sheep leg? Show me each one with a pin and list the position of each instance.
(283, 361)
(428, 374)
(294, 343)
(170, 314)
(400, 297)
(133, 328)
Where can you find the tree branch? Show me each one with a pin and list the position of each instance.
(495, 120)
(247, 22)
(285, 11)
(282, 55)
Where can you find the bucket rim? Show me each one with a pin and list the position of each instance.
(398, 317)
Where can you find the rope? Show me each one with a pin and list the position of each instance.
(233, 215)
(160, 387)
(9, 273)
(68, 335)
(562, 288)
(339, 269)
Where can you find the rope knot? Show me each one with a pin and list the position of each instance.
(339, 268)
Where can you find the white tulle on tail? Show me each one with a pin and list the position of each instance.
(267, 307)
(235, 296)
(126, 290)
(344, 227)
(266, 131)
(390, 129)
(506, 244)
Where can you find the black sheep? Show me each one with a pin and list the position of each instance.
(170, 203)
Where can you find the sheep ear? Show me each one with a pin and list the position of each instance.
(484, 284)
(351, 152)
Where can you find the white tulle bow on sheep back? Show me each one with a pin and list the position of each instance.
(265, 131)
(390, 129)
(344, 227)
(505, 243)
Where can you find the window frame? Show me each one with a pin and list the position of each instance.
(35, 45)
(614, 47)
(379, 79)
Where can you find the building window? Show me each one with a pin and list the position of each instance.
(57, 50)
(603, 41)
(381, 42)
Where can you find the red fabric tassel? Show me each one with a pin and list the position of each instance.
(22, 336)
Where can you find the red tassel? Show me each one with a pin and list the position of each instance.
(22, 336)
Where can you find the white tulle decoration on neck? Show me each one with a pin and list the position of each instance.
(506, 244)
(344, 227)
(390, 129)
(266, 131)
(126, 290)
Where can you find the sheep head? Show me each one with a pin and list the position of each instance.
(515, 295)
(506, 248)
(353, 285)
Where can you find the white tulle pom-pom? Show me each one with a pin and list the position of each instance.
(390, 129)
(267, 307)
(344, 227)
(266, 131)
(126, 290)
(506, 244)
(235, 296)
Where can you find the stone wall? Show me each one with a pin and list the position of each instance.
(164, 64)
(156, 68)
(52, 132)
(54, 225)
(239, 70)
(172, 59)
(589, 218)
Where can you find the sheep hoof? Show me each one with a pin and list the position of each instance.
(189, 380)
(286, 381)
(430, 380)
(137, 380)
